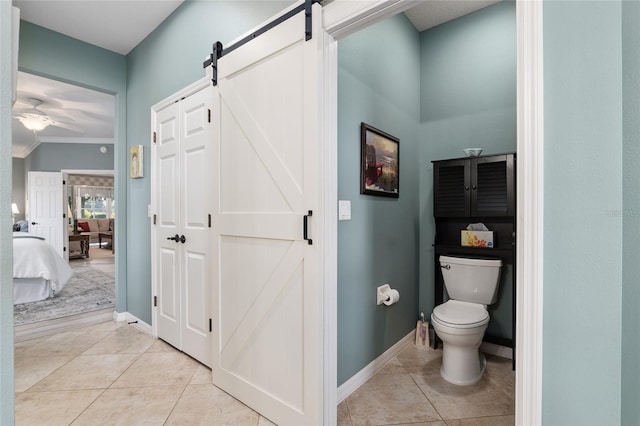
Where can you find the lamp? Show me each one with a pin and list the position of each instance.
(35, 120)
(14, 211)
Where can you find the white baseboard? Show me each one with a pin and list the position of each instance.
(358, 379)
(493, 349)
(134, 321)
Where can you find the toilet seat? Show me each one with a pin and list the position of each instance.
(457, 314)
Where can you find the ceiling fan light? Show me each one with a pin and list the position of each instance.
(35, 122)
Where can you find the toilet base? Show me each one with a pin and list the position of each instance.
(462, 366)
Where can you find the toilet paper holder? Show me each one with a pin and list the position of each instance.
(385, 294)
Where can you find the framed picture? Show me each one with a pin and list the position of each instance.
(135, 162)
(380, 154)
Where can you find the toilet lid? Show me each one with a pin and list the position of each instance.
(461, 314)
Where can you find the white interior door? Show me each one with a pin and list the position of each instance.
(196, 152)
(46, 212)
(166, 190)
(182, 187)
(267, 281)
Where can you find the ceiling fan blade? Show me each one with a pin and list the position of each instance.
(67, 126)
(61, 118)
(24, 99)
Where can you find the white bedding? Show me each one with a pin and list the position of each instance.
(35, 258)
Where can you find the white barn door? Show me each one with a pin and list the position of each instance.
(183, 198)
(267, 286)
(46, 214)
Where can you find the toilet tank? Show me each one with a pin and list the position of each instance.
(471, 280)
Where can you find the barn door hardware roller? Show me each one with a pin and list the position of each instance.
(219, 51)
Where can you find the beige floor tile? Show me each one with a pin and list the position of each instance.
(393, 366)
(161, 346)
(344, 419)
(29, 371)
(421, 359)
(124, 340)
(104, 326)
(438, 423)
(87, 372)
(52, 408)
(20, 348)
(484, 421)
(131, 406)
(500, 372)
(69, 343)
(208, 405)
(158, 369)
(265, 422)
(202, 376)
(390, 399)
(457, 402)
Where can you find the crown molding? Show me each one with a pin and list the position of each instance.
(59, 139)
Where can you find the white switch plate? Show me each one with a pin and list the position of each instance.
(344, 210)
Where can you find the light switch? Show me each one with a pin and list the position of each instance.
(344, 210)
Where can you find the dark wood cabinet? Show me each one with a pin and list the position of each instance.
(469, 190)
(474, 187)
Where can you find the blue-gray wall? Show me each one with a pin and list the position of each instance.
(18, 195)
(583, 209)
(468, 99)
(631, 207)
(380, 243)
(166, 61)
(53, 157)
(53, 55)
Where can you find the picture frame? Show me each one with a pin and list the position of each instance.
(136, 162)
(380, 162)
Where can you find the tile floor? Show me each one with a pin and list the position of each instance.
(408, 390)
(111, 373)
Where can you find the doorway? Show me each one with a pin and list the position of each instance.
(78, 142)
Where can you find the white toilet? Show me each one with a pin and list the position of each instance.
(472, 284)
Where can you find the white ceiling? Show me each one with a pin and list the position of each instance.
(429, 13)
(116, 25)
(86, 116)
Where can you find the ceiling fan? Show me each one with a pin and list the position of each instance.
(36, 120)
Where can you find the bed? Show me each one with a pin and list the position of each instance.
(38, 271)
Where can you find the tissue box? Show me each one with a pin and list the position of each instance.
(476, 238)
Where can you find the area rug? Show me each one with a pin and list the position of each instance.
(88, 290)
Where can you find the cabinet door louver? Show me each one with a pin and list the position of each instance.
(451, 195)
(492, 188)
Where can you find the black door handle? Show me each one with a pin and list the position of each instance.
(34, 223)
(178, 238)
(305, 227)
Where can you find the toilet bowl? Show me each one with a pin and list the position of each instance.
(461, 327)
(462, 321)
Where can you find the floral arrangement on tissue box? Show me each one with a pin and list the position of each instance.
(470, 238)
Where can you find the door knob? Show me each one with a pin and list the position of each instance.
(175, 238)
(182, 239)
(34, 223)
